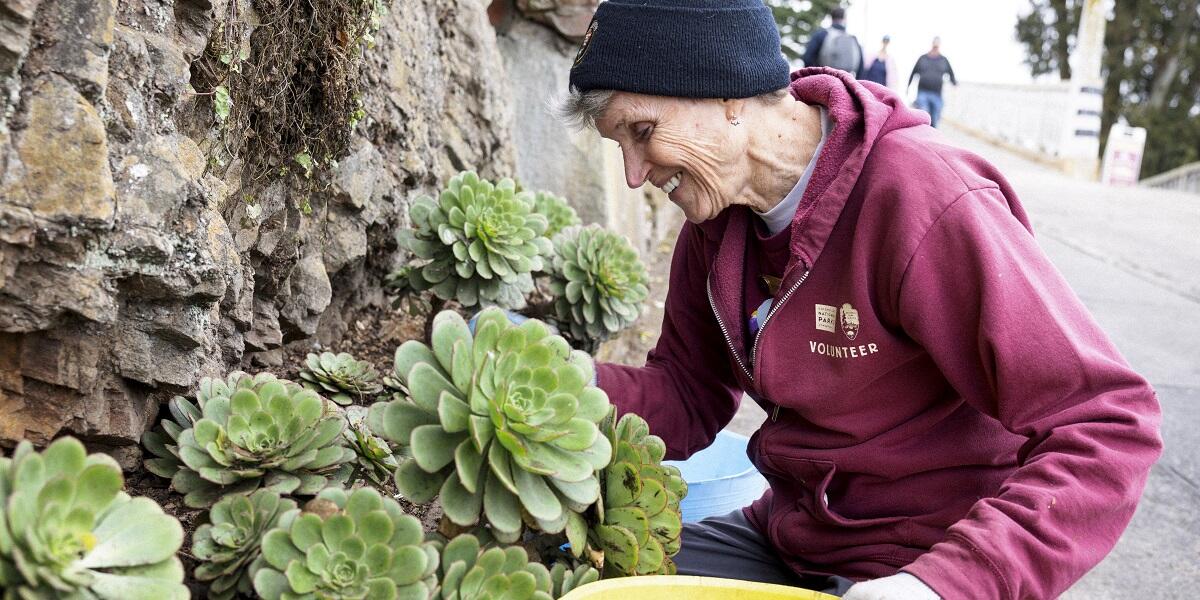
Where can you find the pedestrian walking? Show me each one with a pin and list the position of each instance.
(880, 67)
(931, 69)
(946, 419)
(834, 47)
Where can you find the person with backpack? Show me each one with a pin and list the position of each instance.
(931, 69)
(834, 47)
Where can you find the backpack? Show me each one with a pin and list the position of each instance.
(840, 51)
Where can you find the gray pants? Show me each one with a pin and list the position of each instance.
(729, 546)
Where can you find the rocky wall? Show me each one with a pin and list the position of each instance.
(132, 260)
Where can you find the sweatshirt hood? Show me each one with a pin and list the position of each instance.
(860, 113)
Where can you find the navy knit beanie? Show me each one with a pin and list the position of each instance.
(683, 48)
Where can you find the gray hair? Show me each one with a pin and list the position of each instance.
(581, 110)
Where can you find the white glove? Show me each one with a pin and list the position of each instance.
(900, 586)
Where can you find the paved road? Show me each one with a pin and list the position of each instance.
(1133, 256)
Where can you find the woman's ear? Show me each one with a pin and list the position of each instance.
(734, 108)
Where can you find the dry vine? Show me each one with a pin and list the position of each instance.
(286, 89)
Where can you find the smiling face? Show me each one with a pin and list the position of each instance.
(688, 148)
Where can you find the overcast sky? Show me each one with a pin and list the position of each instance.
(977, 36)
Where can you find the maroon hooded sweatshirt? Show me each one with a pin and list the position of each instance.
(940, 400)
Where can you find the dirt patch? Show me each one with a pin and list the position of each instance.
(374, 334)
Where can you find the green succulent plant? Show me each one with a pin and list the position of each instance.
(375, 459)
(396, 285)
(558, 213)
(340, 377)
(229, 545)
(68, 531)
(564, 579)
(503, 423)
(393, 382)
(347, 545)
(249, 432)
(480, 242)
(598, 283)
(638, 518)
(469, 572)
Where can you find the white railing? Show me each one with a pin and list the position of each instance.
(1057, 122)
(1184, 179)
(1028, 116)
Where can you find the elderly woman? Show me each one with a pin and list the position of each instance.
(945, 418)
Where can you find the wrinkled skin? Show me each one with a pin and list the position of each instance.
(755, 163)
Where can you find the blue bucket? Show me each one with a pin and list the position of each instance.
(720, 478)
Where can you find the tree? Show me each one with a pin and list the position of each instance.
(797, 20)
(1048, 32)
(1151, 68)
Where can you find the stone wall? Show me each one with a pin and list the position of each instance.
(131, 264)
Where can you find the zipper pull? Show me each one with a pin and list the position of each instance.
(775, 413)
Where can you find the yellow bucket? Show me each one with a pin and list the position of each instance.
(689, 587)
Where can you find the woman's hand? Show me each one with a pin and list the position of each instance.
(900, 586)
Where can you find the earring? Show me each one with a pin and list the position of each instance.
(735, 121)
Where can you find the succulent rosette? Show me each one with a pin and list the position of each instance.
(598, 283)
(68, 531)
(229, 545)
(639, 518)
(479, 242)
(340, 377)
(502, 423)
(563, 579)
(375, 459)
(559, 215)
(470, 572)
(347, 545)
(249, 432)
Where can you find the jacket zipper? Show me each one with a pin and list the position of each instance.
(737, 356)
(774, 307)
(721, 323)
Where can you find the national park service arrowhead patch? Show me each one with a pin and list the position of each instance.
(587, 40)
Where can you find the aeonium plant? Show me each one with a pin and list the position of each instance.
(500, 424)
(637, 522)
(340, 377)
(68, 531)
(245, 433)
(376, 462)
(228, 547)
(563, 579)
(355, 544)
(558, 213)
(476, 243)
(468, 571)
(598, 284)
